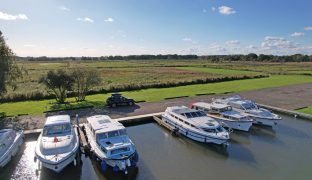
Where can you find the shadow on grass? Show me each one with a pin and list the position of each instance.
(2, 115)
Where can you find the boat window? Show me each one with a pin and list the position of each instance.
(210, 130)
(249, 105)
(101, 136)
(194, 114)
(57, 129)
(122, 132)
(120, 150)
(236, 106)
(188, 115)
(187, 123)
(113, 134)
(220, 129)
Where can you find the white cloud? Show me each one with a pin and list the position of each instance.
(251, 47)
(204, 10)
(213, 9)
(232, 43)
(297, 34)
(109, 20)
(10, 17)
(64, 8)
(226, 10)
(277, 43)
(187, 39)
(86, 19)
(309, 28)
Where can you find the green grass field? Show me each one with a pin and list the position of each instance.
(307, 110)
(217, 70)
(153, 94)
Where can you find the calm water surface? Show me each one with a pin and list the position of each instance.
(283, 152)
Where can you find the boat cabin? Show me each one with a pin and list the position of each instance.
(110, 135)
(243, 104)
(222, 110)
(57, 126)
(194, 118)
(212, 108)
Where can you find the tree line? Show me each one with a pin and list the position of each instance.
(259, 58)
(103, 58)
(213, 58)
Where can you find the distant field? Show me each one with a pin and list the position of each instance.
(119, 74)
(217, 71)
(154, 94)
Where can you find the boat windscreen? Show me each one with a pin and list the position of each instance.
(122, 132)
(101, 136)
(220, 129)
(57, 129)
(112, 134)
(194, 114)
(250, 105)
(228, 108)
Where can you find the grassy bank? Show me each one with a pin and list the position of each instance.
(307, 110)
(150, 95)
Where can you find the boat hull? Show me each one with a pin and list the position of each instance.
(12, 150)
(64, 159)
(193, 135)
(237, 125)
(59, 166)
(122, 164)
(265, 121)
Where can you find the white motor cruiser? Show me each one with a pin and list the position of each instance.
(225, 114)
(260, 116)
(110, 144)
(195, 125)
(58, 144)
(10, 141)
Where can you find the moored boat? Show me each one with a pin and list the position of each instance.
(10, 142)
(58, 144)
(109, 143)
(261, 116)
(225, 114)
(195, 125)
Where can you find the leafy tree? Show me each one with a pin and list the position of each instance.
(84, 80)
(59, 82)
(9, 71)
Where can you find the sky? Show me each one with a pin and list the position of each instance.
(59, 28)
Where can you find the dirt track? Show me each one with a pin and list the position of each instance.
(288, 97)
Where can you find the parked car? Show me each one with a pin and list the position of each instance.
(119, 100)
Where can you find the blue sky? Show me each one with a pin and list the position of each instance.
(123, 27)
